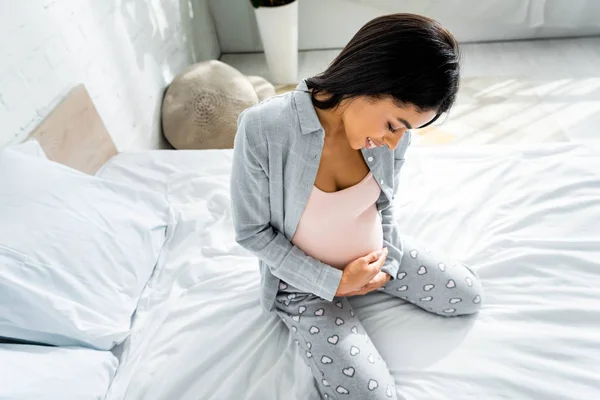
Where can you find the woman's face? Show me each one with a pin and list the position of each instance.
(373, 123)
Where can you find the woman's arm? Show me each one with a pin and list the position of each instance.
(251, 218)
(391, 240)
(391, 234)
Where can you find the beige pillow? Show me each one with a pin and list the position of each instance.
(201, 106)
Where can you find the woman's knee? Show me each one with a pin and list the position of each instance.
(469, 298)
(474, 299)
(463, 294)
(357, 373)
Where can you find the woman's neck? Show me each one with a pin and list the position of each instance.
(331, 119)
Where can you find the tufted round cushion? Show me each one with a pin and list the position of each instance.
(202, 104)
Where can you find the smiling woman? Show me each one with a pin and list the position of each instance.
(371, 122)
(405, 66)
(315, 173)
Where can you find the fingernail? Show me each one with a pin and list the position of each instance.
(385, 249)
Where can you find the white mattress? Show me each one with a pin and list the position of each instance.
(526, 219)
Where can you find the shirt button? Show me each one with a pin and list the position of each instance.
(370, 159)
(381, 181)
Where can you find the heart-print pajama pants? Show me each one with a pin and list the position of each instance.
(343, 360)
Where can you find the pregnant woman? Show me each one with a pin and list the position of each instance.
(315, 173)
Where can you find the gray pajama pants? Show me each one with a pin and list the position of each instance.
(343, 360)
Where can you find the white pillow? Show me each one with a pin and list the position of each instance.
(75, 252)
(31, 147)
(48, 373)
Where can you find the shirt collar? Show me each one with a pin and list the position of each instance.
(307, 116)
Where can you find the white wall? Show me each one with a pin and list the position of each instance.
(124, 51)
(329, 24)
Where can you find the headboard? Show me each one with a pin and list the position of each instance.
(73, 134)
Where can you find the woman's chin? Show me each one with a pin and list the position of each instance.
(357, 146)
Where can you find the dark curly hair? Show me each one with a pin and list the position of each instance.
(409, 57)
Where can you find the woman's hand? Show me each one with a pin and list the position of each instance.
(380, 279)
(362, 274)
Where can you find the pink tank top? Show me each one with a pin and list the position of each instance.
(341, 226)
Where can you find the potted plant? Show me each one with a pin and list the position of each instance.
(278, 27)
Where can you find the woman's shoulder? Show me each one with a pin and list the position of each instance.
(275, 110)
(275, 114)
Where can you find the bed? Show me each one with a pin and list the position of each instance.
(526, 218)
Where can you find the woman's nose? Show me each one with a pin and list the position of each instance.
(392, 141)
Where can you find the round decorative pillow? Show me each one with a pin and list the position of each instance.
(201, 106)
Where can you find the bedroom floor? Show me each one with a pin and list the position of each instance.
(512, 92)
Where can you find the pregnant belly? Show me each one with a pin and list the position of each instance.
(337, 243)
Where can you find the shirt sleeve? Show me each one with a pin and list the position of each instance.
(251, 215)
(391, 234)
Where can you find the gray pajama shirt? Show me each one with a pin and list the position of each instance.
(276, 157)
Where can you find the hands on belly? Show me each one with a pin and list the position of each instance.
(363, 275)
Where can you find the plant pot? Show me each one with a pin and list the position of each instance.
(278, 27)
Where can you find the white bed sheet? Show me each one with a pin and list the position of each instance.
(526, 219)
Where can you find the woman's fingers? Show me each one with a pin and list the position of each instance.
(356, 293)
(373, 256)
(375, 266)
(382, 256)
(363, 270)
(378, 281)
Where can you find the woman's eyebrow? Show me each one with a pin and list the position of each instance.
(405, 122)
